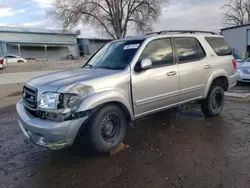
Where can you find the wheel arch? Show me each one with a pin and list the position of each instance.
(219, 77)
(97, 101)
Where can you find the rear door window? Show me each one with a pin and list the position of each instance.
(219, 45)
(188, 50)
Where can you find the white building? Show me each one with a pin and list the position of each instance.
(41, 44)
(238, 38)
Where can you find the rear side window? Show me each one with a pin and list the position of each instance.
(188, 50)
(219, 45)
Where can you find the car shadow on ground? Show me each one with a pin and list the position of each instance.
(154, 141)
(172, 148)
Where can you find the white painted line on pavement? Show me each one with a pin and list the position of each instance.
(21, 77)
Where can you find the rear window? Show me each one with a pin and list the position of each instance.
(236, 56)
(219, 45)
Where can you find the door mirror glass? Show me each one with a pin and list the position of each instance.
(146, 64)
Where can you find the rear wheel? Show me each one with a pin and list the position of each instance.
(214, 103)
(20, 61)
(106, 129)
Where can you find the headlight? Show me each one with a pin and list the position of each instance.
(57, 101)
(239, 70)
(64, 101)
(48, 101)
(67, 100)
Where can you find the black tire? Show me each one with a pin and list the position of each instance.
(20, 61)
(99, 136)
(214, 103)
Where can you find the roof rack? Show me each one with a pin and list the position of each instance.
(181, 32)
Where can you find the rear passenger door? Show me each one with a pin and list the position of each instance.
(193, 66)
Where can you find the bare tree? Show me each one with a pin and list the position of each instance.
(112, 16)
(235, 14)
(238, 13)
(246, 6)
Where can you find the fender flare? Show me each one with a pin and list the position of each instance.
(105, 97)
(212, 77)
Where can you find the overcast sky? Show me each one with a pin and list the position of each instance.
(180, 14)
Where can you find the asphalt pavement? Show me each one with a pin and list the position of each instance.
(174, 148)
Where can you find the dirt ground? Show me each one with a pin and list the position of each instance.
(174, 148)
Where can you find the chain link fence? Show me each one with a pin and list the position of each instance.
(13, 62)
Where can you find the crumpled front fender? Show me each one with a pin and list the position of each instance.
(105, 97)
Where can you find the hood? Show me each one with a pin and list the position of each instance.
(54, 81)
(246, 65)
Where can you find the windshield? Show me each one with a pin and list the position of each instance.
(248, 60)
(115, 55)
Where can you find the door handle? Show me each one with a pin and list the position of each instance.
(171, 73)
(207, 67)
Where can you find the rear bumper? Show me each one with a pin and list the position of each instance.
(49, 134)
(243, 77)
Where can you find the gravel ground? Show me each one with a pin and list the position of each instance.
(43, 66)
(169, 149)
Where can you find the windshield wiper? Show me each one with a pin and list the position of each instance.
(111, 68)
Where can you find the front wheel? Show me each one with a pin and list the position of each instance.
(106, 129)
(214, 103)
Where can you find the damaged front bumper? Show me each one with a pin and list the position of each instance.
(46, 133)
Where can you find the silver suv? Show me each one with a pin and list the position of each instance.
(126, 80)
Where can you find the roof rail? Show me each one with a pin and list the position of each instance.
(182, 32)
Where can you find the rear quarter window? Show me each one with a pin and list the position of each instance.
(219, 45)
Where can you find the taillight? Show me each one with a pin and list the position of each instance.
(1, 61)
(234, 63)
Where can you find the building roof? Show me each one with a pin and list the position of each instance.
(23, 43)
(96, 39)
(36, 30)
(234, 27)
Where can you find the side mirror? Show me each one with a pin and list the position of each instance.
(146, 64)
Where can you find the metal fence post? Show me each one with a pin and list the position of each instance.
(19, 50)
(46, 54)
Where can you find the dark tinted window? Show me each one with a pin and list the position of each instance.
(10, 57)
(188, 49)
(236, 56)
(159, 51)
(219, 45)
(115, 55)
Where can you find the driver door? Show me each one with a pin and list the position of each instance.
(158, 87)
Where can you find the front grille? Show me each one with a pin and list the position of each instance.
(245, 71)
(30, 97)
(32, 112)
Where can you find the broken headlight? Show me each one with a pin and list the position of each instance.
(57, 101)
